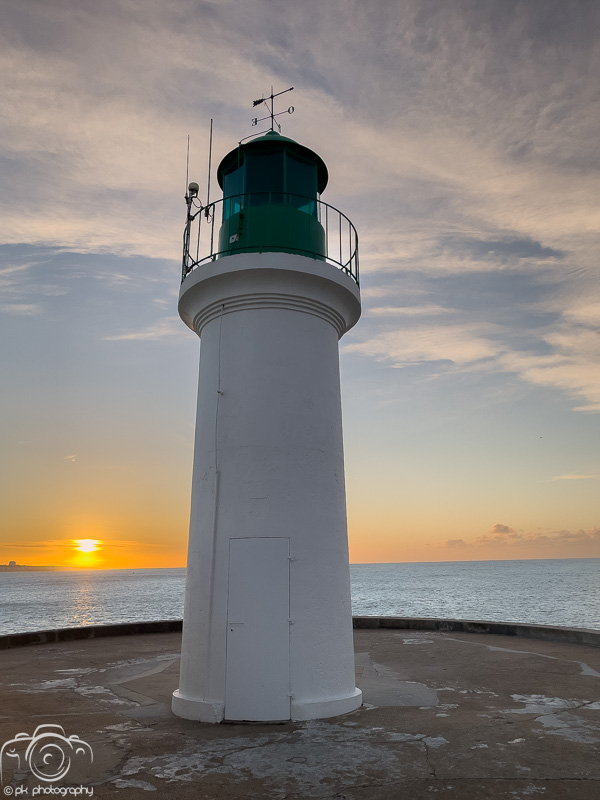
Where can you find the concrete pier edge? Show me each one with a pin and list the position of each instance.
(585, 636)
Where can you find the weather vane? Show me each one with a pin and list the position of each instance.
(272, 115)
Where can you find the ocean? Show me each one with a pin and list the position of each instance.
(549, 592)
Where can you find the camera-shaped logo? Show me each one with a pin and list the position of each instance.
(49, 753)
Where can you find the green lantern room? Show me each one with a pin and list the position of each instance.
(271, 187)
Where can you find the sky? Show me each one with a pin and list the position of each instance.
(461, 138)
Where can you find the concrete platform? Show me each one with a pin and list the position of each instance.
(447, 714)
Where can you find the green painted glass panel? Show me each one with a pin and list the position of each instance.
(301, 183)
(264, 177)
(301, 177)
(232, 185)
(233, 182)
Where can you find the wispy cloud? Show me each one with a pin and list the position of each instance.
(571, 367)
(459, 344)
(585, 314)
(67, 544)
(25, 286)
(15, 268)
(575, 477)
(163, 329)
(531, 338)
(21, 309)
(408, 311)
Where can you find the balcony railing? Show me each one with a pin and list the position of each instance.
(271, 221)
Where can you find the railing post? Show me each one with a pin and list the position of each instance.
(350, 246)
(198, 242)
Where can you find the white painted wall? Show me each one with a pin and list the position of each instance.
(268, 462)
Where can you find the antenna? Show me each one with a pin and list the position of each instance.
(195, 208)
(187, 165)
(272, 114)
(209, 163)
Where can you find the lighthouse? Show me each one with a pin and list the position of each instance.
(270, 289)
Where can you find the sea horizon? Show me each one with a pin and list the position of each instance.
(52, 567)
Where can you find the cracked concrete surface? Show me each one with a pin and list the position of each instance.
(447, 715)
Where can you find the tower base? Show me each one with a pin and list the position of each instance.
(204, 711)
(321, 709)
(199, 710)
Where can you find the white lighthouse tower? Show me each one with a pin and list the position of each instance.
(267, 632)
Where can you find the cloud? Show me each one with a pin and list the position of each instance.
(520, 543)
(455, 543)
(504, 251)
(469, 138)
(493, 324)
(500, 535)
(67, 544)
(24, 287)
(573, 477)
(163, 329)
(44, 544)
(21, 309)
(565, 536)
(14, 268)
(572, 366)
(503, 529)
(506, 537)
(459, 344)
(586, 314)
(407, 311)
(132, 544)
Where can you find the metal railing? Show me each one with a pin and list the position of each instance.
(340, 239)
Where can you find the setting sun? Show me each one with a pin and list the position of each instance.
(87, 545)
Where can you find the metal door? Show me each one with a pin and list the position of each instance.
(258, 654)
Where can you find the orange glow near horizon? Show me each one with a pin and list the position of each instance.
(94, 554)
(103, 541)
(387, 547)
